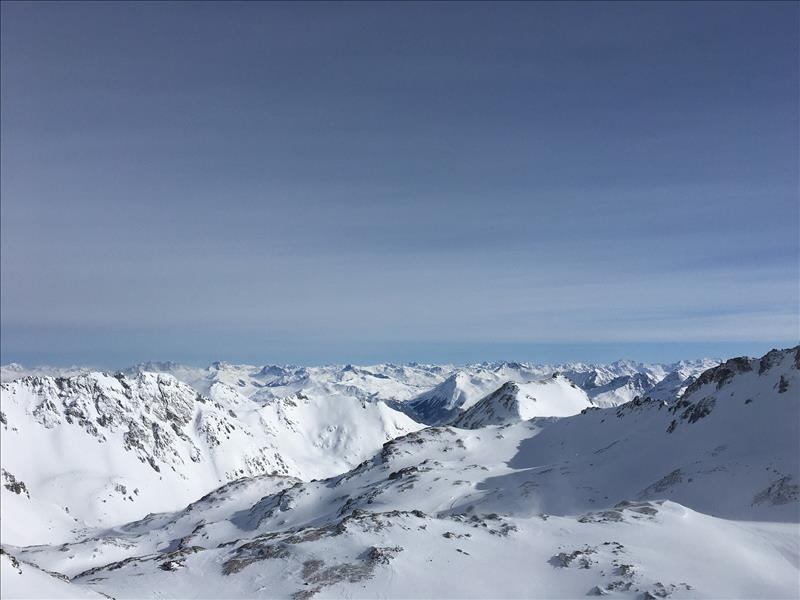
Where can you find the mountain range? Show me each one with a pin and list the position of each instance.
(490, 480)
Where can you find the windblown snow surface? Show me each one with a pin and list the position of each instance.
(502, 480)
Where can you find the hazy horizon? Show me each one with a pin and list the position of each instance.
(544, 354)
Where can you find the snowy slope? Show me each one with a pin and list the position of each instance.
(100, 449)
(411, 554)
(694, 499)
(23, 580)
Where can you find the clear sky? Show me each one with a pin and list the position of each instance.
(367, 182)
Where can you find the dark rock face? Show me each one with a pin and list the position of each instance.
(721, 374)
(167, 562)
(150, 409)
(639, 404)
(316, 573)
(13, 559)
(698, 410)
(622, 511)
(382, 555)
(13, 485)
(769, 360)
(605, 561)
(780, 491)
(596, 591)
(485, 411)
(279, 545)
(252, 552)
(582, 558)
(690, 412)
(662, 485)
(151, 415)
(403, 473)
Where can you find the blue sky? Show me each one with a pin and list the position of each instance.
(366, 182)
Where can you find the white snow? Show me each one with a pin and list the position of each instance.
(532, 490)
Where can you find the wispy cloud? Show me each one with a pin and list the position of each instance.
(449, 174)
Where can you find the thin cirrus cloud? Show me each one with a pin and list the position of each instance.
(442, 182)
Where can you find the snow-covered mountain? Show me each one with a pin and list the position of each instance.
(555, 396)
(590, 376)
(143, 441)
(621, 389)
(160, 434)
(377, 382)
(97, 449)
(456, 393)
(605, 385)
(622, 381)
(693, 498)
(608, 385)
(679, 378)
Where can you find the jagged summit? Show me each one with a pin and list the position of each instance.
(552, 397)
